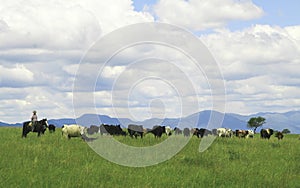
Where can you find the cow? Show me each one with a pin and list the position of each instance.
(92, 129)
(72, 130)
(201, 132)
(157, 131)
(135, 130)
(112, 130)
(214, 132)
(279, 135)
(177, 131)
(168, 130)
(186, 132)
(250, 134)
(241, 133)
(266, 133)
(224, 132)
(51, 128)
(39, 127)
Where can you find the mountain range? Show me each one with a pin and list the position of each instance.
(277, 121)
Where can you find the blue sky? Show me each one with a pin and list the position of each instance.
(255, 43)
(282, 13)
(277, 12)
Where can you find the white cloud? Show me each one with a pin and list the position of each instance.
(71, 69)
(199, 14)
(16, 76)
(49, 38)
(260, 66)
(254, 51)
(17, 104)
(111, 72)
(51, 24)
(62, 24)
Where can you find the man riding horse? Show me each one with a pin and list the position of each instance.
(34, 119)
(34, 125)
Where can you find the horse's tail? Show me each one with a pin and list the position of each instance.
(24, 131)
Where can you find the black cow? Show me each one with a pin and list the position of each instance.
(135, 130)
(51, 128)
(112, 130)
(279, 135)
(39, 127)
(92, 129)
(186, 132)
(177, 131)
(266, 133)
(157, 131)
(201, 132)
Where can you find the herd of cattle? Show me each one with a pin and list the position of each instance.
(74, 130)
(135, 131)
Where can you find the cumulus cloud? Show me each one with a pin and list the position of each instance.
(51, 25)
(259, 65)
(248, 51)
(48, 102)
(47, 40)
(62, 24)
(16, 76)
(199, 15)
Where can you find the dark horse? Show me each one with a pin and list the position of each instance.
(40, 127)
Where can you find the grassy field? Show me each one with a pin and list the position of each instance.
(54, 161)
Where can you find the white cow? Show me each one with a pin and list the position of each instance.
(72, 130)
(168, 130)
(250, 134)
(223, 132)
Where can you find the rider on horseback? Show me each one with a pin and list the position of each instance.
(34, 119)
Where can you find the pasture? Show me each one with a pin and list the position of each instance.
(54, 161)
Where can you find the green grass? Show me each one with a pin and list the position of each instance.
(54, 161)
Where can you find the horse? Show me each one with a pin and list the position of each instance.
(39, 127)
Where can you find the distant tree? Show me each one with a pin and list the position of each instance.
(286, 131)
(256, 122)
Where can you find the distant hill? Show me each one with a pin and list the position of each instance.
(4, 124)
(278, 121)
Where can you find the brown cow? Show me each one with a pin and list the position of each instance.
(241, 133)
(279, 135)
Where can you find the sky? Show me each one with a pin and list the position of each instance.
(256, 45)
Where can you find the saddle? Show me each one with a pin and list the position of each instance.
(32, 126)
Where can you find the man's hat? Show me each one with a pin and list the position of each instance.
(34, 111)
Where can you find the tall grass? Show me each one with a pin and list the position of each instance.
(54, 161)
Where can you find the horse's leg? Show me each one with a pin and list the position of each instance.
(25, 132)
(39, 133)
(38, 130)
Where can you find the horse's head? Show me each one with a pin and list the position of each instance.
(44, 122)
